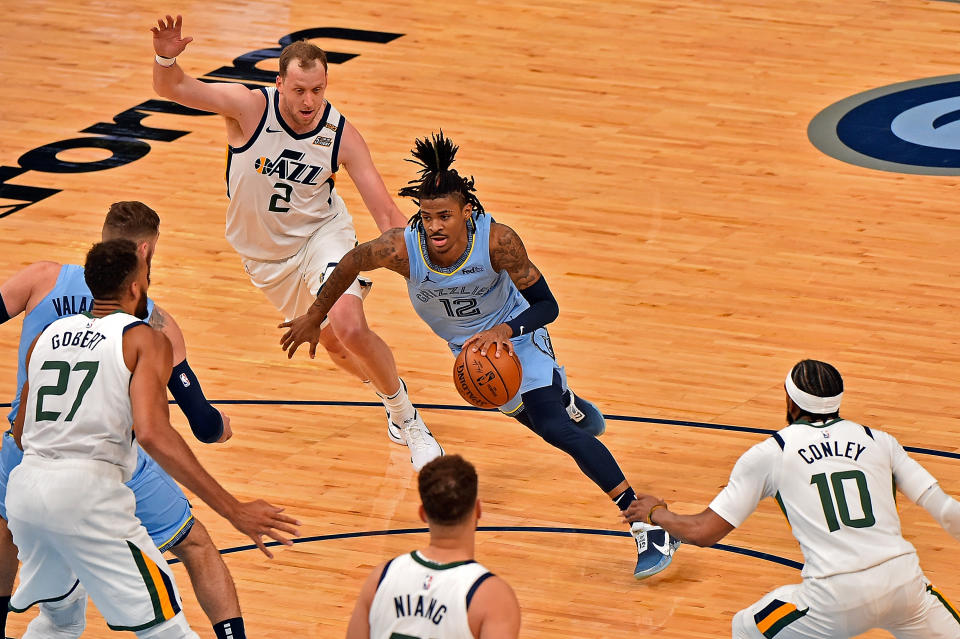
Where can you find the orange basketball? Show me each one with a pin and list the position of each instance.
(487, 381)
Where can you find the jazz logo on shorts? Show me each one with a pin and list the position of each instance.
(909, 127)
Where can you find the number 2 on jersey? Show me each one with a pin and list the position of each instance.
(277, 199)
(60, 388)
(832, 504)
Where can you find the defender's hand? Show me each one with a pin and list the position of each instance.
(497, 338)
(305, 328)
(258, 518)
(166, 37)
(639, 509)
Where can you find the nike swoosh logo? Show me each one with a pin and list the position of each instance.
(664, 549)
(269, 130)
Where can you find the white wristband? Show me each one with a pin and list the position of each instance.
(164, 62)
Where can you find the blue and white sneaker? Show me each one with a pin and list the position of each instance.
(655, 549)
(585, 414)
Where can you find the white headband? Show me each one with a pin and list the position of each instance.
(811, 403)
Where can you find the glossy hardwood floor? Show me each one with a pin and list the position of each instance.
(654, 157)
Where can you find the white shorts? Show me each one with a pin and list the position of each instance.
(291, 285)
(894, 596)
(73, 520)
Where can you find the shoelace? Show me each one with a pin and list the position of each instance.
(415, 437)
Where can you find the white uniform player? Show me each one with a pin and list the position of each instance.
(286, 146)
(834, 482)
(69, 511)
(417, 597)
(288, 222)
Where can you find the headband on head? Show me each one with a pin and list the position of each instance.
(811, 403)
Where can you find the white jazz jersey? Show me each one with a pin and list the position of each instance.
(79, 401)
(420, 598)
(281, 183)
(835, 482)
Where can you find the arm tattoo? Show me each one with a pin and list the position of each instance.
(157, 319)
(387, 251)
(507, 253)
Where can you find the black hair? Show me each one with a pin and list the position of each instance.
(448, 489)
(817, 378)
(435, 154)
(109, 268)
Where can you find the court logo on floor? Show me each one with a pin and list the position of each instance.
(909, 127)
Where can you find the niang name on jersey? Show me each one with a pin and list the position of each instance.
(287, 167)
(87, 339)
(405, 607)
(427, 295)
(813, 452)
(68, 304)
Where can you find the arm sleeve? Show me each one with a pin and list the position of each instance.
(943, 508)
(911, 478)
(750, 481)
(205, 420)
(543, 309)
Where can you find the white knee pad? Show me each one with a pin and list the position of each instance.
(64, 619)
(176, 628)
(743, 626)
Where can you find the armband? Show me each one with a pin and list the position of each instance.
(205, 420)
(165, 62)
(543, 309)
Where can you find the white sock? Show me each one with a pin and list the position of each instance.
(399, 406)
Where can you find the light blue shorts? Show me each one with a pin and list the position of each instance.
(162, 507)
(535, 351)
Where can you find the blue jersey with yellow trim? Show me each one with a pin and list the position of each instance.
(69, 296)
(467, 297)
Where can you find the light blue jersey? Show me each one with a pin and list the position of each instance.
(161, 505)
(69, 296)
(460, 300)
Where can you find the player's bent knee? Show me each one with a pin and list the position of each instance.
(743, 626)
(197, 541)
(175, 628)
(64, 619)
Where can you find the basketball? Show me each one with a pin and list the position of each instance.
(487, 381)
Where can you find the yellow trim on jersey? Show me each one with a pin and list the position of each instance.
(162, 593)
(776, 615)
(944, 601)
(426, 262)
(179, 530)
(514, 411)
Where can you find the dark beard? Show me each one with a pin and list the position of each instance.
(141, 311)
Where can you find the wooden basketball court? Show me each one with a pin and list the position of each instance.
(653, 156)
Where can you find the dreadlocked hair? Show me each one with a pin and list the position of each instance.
(435, 154)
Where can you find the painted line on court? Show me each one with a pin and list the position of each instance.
(522, 529)
(619, 418)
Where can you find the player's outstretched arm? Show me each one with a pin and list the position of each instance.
(387, 251)
(208, 424)
(226, 98)
(147, 354)
(703, 529)
(25, 288)
(359, 626)
(355, 156)
(494, 611)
